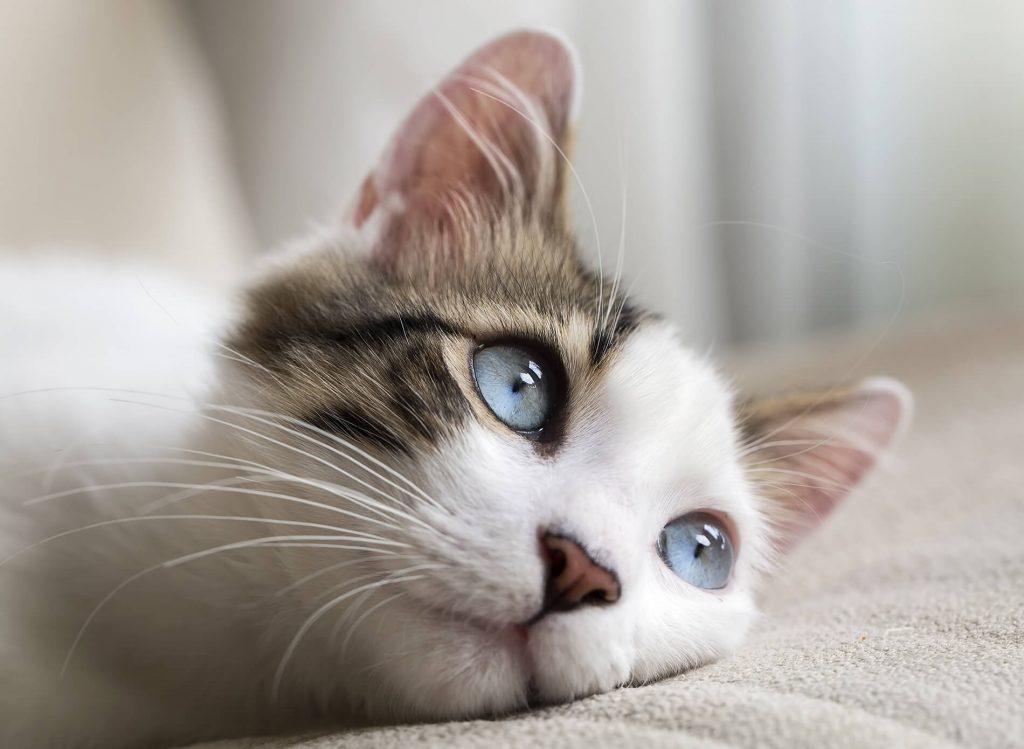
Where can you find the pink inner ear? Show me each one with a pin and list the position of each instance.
(485, 138)
(809, 462)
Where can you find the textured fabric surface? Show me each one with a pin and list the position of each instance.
(901, 623)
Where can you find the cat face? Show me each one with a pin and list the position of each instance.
(550, 494)
(621, 433)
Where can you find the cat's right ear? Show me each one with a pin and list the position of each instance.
(491, 139)
(805, 452)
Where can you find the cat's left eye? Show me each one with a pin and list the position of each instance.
(697, 547)
(519, 384)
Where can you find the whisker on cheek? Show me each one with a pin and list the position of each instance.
(317, 615)
(266, 541)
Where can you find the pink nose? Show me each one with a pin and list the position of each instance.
(574, 578)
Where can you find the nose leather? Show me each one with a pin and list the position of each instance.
(574, 579)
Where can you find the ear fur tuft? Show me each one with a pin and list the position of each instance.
(487, 142)
(806, 452)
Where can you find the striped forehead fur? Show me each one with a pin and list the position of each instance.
(380, 354)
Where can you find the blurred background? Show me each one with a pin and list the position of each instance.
(786, 168)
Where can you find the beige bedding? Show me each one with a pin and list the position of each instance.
(900, 624)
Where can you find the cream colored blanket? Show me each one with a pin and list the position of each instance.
(900, 624)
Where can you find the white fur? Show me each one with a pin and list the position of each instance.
(193, 652)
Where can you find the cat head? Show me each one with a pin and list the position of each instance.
(544, 493)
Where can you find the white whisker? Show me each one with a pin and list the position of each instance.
(315, 617)
(491, 153)
(356, 535)
(333, 488)
(250, 543)
(423, 567)
(262, 418)
(821, 480)
(130, 461)
(383, 519)
(619, 260)
(332, 568)
(363, 617)
(579, 183)
(202, 487)
(255, 414)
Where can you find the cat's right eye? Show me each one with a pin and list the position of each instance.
(519, 384)
(697, 547)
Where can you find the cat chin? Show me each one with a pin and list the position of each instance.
(459, 669)
(442, 668)
(579, 654)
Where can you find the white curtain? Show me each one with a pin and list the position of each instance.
(110, 140)
(786, 166)
(314, 89)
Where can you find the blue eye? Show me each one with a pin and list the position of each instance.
(517, 384)
(697, 548)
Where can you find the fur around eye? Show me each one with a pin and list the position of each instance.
(518, 384)
(697, 547)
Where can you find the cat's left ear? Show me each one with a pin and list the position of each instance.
(804, 453)
(489, 140)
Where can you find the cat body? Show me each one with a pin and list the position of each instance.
(431, 466)
(79, 341)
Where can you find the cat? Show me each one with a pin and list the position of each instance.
(434, 467)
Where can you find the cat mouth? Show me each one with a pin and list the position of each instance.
(534, 697)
